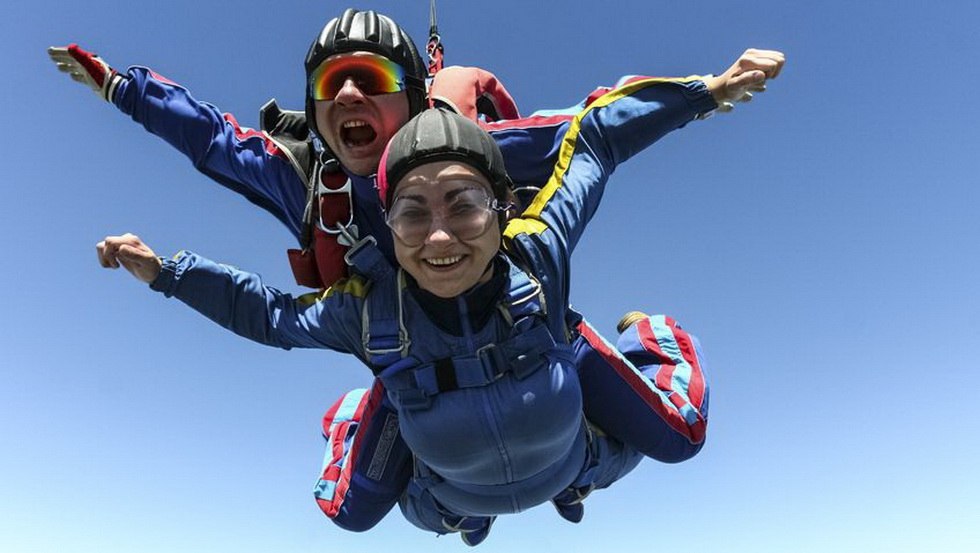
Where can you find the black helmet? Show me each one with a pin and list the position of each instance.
(438, 135)
(367, 31)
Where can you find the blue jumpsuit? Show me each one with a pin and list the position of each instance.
(646, 407)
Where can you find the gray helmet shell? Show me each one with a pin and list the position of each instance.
(440, 135)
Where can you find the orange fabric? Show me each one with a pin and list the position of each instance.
(461, 87)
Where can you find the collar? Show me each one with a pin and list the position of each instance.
(480, 301)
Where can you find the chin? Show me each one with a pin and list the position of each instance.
(359, 166)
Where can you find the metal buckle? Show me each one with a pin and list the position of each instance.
(321, 191)
(356, 245)
(493, 361)
(403, 344)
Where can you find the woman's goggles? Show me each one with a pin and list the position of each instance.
(467, 215)
(373, 74)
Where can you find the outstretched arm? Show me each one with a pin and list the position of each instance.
(531, 144)
(241, 159)
(622, 122)
(240, 302)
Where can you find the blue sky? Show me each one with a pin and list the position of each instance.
(821, 241)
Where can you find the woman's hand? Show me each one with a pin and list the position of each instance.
(131, 253)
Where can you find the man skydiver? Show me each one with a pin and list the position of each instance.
(354, 120)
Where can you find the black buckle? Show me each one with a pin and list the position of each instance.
(412, 398)
(495, 364)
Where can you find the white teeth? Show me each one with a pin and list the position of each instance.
(355, 123)
(444, 260)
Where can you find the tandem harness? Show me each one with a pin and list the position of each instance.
(411, 385)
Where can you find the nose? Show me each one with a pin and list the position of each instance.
(439, 232)
(349, 93)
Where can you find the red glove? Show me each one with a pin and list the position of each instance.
(472, 92)
(86, 68)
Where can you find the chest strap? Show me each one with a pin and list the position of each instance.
(412, 386)
(386, 340)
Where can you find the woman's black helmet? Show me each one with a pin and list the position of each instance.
(439, 135)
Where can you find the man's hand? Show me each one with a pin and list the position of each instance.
(746, 76)
(132, 254)
(86, 68)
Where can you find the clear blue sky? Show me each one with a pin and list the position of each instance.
(822, 242)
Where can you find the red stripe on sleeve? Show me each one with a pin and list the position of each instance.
(245, 133)
(162, 79)
(531, 122)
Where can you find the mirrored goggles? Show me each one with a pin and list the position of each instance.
(467, 214)
(373, 74)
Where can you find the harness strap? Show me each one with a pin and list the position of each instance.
(434, 48)
(523, 298)
(413, 386)
(384, 334)
(328, 210)
(365, 256)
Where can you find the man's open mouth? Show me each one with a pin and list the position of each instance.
(357, 133)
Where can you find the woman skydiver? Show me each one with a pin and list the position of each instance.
(469, 335)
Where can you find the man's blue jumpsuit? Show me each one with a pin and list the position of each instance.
(640, 407)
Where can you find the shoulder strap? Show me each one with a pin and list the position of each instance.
(524, 297)
(383, 332)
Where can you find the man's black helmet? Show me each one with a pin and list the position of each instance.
(367, 31)
(438, 135)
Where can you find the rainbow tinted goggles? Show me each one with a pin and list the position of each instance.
(373, 74)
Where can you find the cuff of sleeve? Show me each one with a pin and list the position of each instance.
(111, 85)
(700, 99)
(169, 276)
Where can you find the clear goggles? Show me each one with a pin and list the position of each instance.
(467, 213)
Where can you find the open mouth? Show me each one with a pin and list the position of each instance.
(443, 262)
(357, 133)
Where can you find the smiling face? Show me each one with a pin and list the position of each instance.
(358, 122)
(444, 264)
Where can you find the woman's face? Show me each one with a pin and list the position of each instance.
(439, 217)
